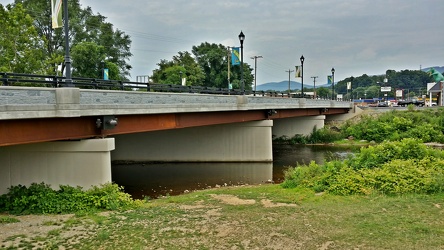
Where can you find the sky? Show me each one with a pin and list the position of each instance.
(355, 37)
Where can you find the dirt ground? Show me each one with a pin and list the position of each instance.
(35, 226)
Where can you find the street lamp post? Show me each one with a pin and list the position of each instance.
(241, 39)
(333, 83)
(68, 79)
(302, 75)
(255, 70)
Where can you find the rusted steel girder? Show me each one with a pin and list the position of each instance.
(23, 131)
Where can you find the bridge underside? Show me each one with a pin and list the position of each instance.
(204, 137)
(23, 131)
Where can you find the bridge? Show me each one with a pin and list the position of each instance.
(70, 135)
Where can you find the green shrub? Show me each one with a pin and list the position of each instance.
(401, 167)
(323, 135)
(408, 176)
(426, 125)
(374, 156)
(41, 199)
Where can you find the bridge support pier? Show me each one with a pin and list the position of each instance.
(76, 163)
(238, 142)
(290, 127)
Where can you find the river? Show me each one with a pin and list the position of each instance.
(147, 179)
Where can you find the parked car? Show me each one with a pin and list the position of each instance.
(382, 104)
(415, 102)
(433, 104)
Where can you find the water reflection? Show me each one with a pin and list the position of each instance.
(155, 179)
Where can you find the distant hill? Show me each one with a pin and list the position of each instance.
(281, 86)
(438, 68)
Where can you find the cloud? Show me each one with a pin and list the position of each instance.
(355, 37)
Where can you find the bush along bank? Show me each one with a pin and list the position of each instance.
(42, 199)
(426, 125)
(406, 166)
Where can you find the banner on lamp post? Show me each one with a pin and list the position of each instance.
(235, 56)
(56, 13)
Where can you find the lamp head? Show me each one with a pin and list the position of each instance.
(302, 59)
(332, 70)
(241, 37)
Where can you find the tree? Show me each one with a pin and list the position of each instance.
(182, 65)
(323, 92)
(213, 59)
(20, 44)
(84, 26)
(88, 59)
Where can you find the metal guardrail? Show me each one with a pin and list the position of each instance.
(31, 80)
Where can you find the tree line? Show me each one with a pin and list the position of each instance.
(413, 82)
(29, 44)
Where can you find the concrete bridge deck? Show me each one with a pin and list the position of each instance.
(58, 135)
(31, 114)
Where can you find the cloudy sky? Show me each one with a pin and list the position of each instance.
(354, 36)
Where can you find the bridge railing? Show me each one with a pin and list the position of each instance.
(31, 80)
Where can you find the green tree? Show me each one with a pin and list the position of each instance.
(88, 59)
(182, 65)
(20, 44)
(84, 26)
(214, 60)
(323, 92)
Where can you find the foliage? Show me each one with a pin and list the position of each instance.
(426, 125)
(369, 86)
(206, 66)
(401, 167)
(323, 92)
(42, 199)
(20, 44)
(84, 27)
(213, 59)
(87, 58)
(181, 66)
(323, 135)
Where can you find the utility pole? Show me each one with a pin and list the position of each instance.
(255, 70)
(314, 85)
(289, 71)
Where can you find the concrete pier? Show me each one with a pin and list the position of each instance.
(76, 163)
(290, 127)
(239, 142)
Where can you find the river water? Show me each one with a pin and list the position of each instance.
(145, 179)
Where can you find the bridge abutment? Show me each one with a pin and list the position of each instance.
(290, 127)
(76, 163)
(238, 142)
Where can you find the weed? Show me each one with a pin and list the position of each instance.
(7, 219)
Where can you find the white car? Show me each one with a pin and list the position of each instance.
(433, 104)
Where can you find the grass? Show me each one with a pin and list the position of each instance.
(303, 220)
(7, 219)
